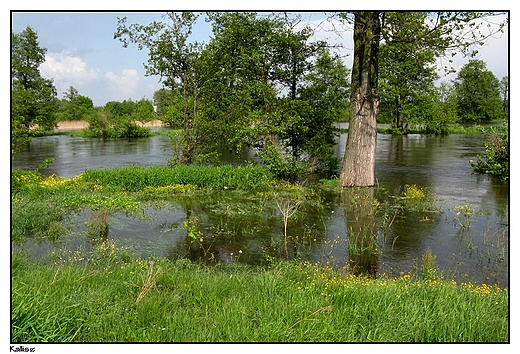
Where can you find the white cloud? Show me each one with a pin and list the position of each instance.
(124, 86)
(67, 70)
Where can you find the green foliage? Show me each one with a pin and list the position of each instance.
(33, 98)
(144, 111)
(406, 67)
(120, 109)
(31, 213)
(34, 218)
(416, 198)
(410, 44)
(40, 205)
(429, 268)
(283, 167)
(324, 98)
(192, 229)
(104, 123)
(463, 215)
(21, 179)
(432, 115)
(173, 58)
(73, 106)
(495, 161)
(269, 87)
(477, 93)
(169, 107)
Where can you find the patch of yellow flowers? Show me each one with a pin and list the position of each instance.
(413, 192)
(54, 181)
(326, 277)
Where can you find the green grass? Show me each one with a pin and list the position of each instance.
(136, 177)
(134, 300)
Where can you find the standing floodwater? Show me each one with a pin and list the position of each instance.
(473, 248)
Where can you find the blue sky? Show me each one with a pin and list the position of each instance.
(82, 53)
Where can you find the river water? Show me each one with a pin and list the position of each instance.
(479, 253)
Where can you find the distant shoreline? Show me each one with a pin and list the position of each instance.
(81, 124)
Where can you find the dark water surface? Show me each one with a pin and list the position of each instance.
(441, 164)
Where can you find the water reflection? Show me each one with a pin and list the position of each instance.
(360, 218)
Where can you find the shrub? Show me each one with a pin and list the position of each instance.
(495, 161)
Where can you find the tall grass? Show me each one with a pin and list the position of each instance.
(134, 178)
(129, 301)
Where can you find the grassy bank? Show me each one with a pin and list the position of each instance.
(126, 299)
(440, 129)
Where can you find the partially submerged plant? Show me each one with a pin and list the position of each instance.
(429, 267)
(416, 198)
(287, 206)
(462, 215)
(192, 229)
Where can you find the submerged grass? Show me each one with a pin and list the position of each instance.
(179, 301)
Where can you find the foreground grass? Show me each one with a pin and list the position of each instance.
(126, 299)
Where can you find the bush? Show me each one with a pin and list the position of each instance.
(495, 161)
(283, 167)
(106, 125)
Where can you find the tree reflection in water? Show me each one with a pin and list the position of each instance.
(360, 219)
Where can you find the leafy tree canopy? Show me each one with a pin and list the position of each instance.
(477, 92)
(33, 98)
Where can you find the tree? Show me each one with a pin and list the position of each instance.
(172, 58)
(144, 111)
(33, 98)
(495, 161)
(406, 67)
(360, 154)
(73, 106)
(268, 86)
(323, 98)
(477, 92)
(169, 105)
(434, 111)
(446, 31)
(116, 108)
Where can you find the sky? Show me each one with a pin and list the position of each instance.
(81, 52)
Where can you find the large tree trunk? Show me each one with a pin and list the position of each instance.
(360, 153)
